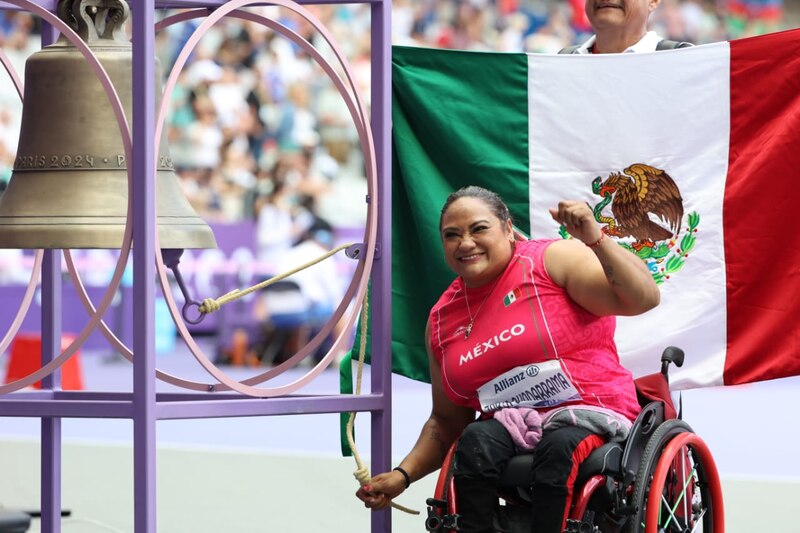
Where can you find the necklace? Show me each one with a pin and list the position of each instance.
(471, 317)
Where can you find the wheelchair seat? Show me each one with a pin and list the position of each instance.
(517, 477)
(618, 460)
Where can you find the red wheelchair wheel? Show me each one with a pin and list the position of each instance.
(677, 487)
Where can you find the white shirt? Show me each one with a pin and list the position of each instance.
(647, 43)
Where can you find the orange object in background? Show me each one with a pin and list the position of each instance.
(26, 358)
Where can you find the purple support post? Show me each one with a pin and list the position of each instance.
(143, 193)
(51, 425)
(381, 300)
(50, 477)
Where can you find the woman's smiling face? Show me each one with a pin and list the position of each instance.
(477, 244)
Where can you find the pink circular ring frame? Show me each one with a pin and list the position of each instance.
(122, 121)
(361, 276)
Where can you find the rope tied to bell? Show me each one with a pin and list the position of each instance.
(211, 305)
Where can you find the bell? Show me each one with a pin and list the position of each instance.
(69, 187)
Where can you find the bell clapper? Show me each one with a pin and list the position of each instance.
(171, 258)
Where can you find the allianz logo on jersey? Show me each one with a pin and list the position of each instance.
(493, 342)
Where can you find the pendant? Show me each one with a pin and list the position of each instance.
(468, 330)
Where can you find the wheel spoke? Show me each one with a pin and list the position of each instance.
(685, 499)
(680, 497)
(666, 506)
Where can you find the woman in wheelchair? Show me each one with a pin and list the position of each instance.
(524, 336)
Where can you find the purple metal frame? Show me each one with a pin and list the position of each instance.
(143, 405)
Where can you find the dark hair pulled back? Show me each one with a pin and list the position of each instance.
(490, 198)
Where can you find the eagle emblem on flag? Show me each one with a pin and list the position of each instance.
(645, 202)
(647, 212)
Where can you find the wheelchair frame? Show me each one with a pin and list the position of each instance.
(615, 485)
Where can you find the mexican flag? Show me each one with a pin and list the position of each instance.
(511, 297)
(704, 140)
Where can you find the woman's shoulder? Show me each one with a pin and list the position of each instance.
(547, 255)
(534, 246)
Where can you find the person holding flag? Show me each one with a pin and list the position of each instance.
(523, 336)
(620, 26)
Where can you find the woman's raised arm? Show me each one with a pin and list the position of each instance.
(598, 274)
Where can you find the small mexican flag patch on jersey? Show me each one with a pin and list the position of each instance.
(511, 297)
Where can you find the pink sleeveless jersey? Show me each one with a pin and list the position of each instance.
(522, 318)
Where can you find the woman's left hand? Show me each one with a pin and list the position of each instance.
(578, 219)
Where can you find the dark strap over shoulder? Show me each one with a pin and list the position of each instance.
(666, 44)
(663, 44)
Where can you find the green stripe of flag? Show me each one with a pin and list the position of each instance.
(459, 118)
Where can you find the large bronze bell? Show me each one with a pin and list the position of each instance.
(69, 186)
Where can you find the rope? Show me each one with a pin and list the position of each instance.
(362, 472)
(210, 305)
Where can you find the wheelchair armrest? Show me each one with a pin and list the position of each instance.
(651, 416)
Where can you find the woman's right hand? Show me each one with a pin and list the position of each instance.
(445, 424)
(381, 489)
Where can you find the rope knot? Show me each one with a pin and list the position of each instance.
(362, 475)
(209, 305)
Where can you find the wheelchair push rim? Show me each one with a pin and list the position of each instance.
(699, 495)
(677, 487)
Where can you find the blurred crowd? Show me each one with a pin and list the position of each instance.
(258, 131)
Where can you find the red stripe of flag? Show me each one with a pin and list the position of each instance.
(762, 199)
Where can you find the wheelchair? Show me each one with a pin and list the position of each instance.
(662, 479)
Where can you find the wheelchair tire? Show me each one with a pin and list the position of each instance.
(678, 467)
(438, 517)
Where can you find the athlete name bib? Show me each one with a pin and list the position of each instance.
(535, 385)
